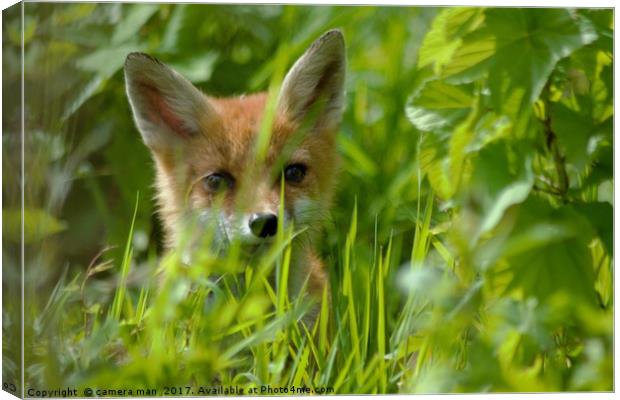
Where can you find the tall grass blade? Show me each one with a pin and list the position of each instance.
(119, 296)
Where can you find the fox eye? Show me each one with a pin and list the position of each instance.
(218, 182)
(295, 173)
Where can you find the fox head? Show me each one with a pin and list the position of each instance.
(204, 147)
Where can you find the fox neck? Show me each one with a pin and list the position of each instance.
(307, 273)
(169, 202)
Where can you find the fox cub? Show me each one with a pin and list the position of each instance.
(203, 149)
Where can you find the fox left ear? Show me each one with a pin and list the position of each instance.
(166, 107)
(316, 83)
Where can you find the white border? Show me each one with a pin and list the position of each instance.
(509, 3)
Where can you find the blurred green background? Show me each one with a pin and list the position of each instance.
(476, 146)
(79, 122)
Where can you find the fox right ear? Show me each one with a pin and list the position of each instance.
(316, 81)
(166, 107)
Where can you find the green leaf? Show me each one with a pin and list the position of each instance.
(498, 184)
(529, 42)
(135, 18)
(440, 95)
(600, 216)
(438, 105)
(197, 68)
(454, 125)
(86, 91)
(528, 318)
(573, 132)
(429, 114)
(556, 261)
(470, 60)
(581, 117)
(105, 62)
(444, 37)
(564, 266)
(38, 224)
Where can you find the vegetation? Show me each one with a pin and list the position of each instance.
(470, 247)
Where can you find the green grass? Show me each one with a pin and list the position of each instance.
(390, 327)
(242, 330)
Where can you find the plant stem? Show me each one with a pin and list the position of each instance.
(559, 159)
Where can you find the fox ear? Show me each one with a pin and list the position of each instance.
(166, 107)
(316, 82)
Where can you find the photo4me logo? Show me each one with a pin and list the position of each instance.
(251, 390)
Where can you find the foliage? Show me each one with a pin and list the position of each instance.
(470, 247)
(501, 106)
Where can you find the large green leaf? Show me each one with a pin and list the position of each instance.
(528, 44)
(436, 109)
(600, 216)
(438, 106)
(548, 253)
(517, 47)
(581, 116)
(559, 267)
(449, 132)
(470, 60)
(573, 131)
(455, 126)
(445, 36)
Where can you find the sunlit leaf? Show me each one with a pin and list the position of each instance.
(470, 60)
(197, 68)
(106, 61)
(38, 224)
(437, 106)
(528, 44)
(445, 35)
(137, 16)
(449, 128)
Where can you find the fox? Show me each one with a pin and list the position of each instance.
(203, 146)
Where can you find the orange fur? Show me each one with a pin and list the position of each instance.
(193, 137)
(226, 143)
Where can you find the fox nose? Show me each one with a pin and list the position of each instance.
(264, 224)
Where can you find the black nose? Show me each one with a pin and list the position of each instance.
(264, 224)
